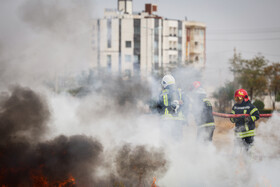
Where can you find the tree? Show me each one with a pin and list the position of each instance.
(249, 74)
(224, 95)
(273, 75)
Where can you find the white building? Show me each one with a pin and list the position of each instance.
(128, 43)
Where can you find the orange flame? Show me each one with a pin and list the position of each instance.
(39, 180)
(154, 182)
(69, 181)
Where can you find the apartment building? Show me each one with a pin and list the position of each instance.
(143, 43)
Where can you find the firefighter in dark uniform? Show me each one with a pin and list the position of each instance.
(244, 126)
(169, 106)
(201, 108)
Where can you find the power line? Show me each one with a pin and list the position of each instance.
(266, 54)
(241, 40)
(242, 52)
(243, 31)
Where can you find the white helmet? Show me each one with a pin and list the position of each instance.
(167, 80)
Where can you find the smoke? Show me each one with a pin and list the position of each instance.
(116, 146)
(23, 115)
(76, 155)
(31, 157)
(268, 140)
(106, 135)
(138, 165)
(267, 152)
(43, 40)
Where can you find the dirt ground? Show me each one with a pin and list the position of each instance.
(224, 135)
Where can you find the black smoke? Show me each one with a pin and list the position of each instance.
(24, 115)
(25, 160)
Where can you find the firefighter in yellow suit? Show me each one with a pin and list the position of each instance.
(244, 126)
(169, 106)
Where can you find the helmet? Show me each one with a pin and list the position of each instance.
(241, 93)
(196, 88)
(167, 80)
(196, 84)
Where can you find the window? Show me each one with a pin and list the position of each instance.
(137, 45)
(136, 58)
(127, 73)
(202, 32)
(109, 33)
(174, 46)
(179, 46)
(156, 66)
(170, 31)
(109, 62)
(137, 28)
(127, 58)
(128, 44)
(155, 58)
(155, 44)
(180, 33)
(174, 31)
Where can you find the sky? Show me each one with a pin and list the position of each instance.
(250, 26)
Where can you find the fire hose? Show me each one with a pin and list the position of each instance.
(239, 115)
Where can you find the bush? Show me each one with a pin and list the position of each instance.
(259, 104)
(266, 111)
(277, 98)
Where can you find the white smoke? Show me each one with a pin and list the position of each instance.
(42, 40)
(191, 163)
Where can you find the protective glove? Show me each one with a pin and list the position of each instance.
(248, 119)
(175, 106)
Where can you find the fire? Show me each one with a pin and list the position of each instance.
(154, 182)
(39, 180)
(69, 181)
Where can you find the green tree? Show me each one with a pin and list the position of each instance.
(259, 104)
(273, 75)
(224, 96)
(249, 74)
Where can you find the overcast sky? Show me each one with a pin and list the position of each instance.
(250, 26)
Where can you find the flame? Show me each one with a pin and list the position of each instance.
(39, 180)
(154, 182)
(69, 181)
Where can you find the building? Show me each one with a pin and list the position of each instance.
(128, 43)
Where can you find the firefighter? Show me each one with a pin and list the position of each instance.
(169, 106)
(244, 126)
(201, 109)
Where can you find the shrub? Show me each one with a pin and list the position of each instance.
(266, 111)
(277, 98)
(259, 104)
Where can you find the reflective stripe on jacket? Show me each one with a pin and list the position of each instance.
(245, 129)
(165, 100)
